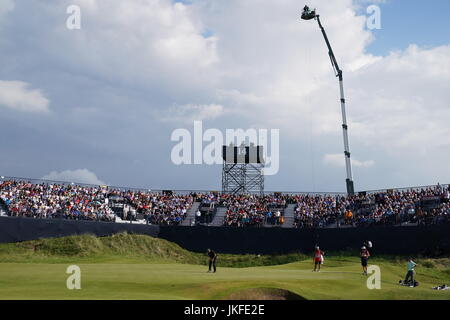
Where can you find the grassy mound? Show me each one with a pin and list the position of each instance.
(125, 248)
(132, 248)
(89, 247)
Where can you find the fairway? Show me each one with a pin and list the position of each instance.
(179, 281)
(25, 275)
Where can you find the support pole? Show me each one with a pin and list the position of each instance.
(338, 71)
(348, 164)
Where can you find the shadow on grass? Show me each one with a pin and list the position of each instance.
(264, 294)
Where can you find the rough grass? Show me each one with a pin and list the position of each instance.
(91, 248)
(125, 247)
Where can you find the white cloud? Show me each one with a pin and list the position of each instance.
(138, 42)
(77, 176)
(401, 101)
(18, 96)
(338, 160)
(191, 112)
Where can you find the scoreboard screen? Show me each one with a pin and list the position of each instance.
(243, 154)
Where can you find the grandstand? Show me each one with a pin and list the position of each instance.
(58, 200)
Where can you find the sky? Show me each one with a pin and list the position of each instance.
(405, 22)
(100, 104)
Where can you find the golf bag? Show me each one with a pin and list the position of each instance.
(409, 283)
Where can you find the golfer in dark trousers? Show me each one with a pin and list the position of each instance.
(409, 279)
(212, 259)
(364, 258)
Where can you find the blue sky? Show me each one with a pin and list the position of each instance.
(425, 23)
(99, 104)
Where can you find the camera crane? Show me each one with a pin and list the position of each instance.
(310, 15)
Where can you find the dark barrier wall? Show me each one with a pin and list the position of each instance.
(22, 229)
(432, 240)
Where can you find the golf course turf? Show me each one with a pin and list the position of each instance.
(140, 267)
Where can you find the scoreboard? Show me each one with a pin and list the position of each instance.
(243, 154)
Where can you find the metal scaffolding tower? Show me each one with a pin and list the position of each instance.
(242, 172)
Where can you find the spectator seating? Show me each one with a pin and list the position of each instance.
(419, 206)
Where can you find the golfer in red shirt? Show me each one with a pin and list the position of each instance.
(318, 259)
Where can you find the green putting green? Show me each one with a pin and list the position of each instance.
(139, 267)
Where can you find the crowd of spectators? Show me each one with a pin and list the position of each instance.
(316, 211)
(157, 208)
(72, 202)
(67, 201)
(393, 207)
(253, 210)
(422, 206)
